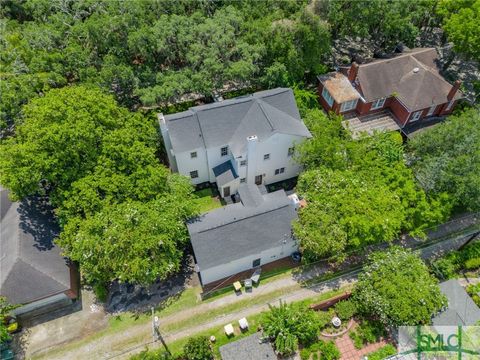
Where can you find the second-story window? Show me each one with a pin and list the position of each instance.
(266, 156)
(224, 151)
(193, 154)
(243, 162)
(291, 150)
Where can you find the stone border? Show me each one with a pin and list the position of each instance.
(350, 324)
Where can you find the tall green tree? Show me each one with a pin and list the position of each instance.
(358, 192)
(397, 288)
(446, 159)
(121, 211)
(386, 22)
(460, 22)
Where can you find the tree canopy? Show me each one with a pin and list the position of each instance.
(154, 52)
(446, 159)
(357, 192)
(460, 22)
(122, 212)
(397, 288)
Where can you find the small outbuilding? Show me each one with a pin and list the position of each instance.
(244, 235)
(249, 348)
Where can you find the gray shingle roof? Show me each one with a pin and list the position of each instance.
(31, 266)
(249, 348)
(231, 121)
(224, 173)
(417, 90)
(237, 230)
(461, 308)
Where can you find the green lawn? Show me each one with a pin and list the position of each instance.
(221, 339)
(206, 201)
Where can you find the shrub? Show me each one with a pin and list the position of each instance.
(101, 292)
(346, 309)
(368, 332)
(198, 348)
(290, 324)
(472, 264)
(325, 318)
(446, 267)
(473, 291)
(328, 351)
(382, 353)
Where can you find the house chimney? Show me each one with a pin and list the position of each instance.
(454, 90)
(251, 158)
(352, 73)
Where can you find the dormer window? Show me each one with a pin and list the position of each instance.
(224, 151)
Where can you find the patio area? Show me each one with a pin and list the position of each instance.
(383, 121)
(348, 350)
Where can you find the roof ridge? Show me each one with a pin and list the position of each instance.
(195, 114)
(42, 272)
(375, 62)
(243, 218)
(260, 104)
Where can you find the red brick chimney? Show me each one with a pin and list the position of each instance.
(352, 73)
(454, 90)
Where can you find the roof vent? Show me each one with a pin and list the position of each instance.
(416, 70)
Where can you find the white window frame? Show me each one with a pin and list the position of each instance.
(378, 104)
(193, 155)
(291, 151)
(266, 157)
(327, 96)
(243, 180)
(348, 105)
(449, 105)
(431, 110)
(416, 115)
(243, 162)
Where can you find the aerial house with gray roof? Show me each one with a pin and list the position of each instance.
(248, 139)
(33, 273)
(243, 236)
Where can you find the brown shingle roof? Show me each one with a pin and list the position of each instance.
(339, 87)
(412, 76)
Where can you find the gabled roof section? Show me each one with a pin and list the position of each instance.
(339, 87)
(31, 265)
(241, 229)
(231, 121)
(412, 76)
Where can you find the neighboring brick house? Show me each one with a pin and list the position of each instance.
(409, 85)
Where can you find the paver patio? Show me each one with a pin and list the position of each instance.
(348, 350)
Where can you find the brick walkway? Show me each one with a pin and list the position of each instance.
(348, 350)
